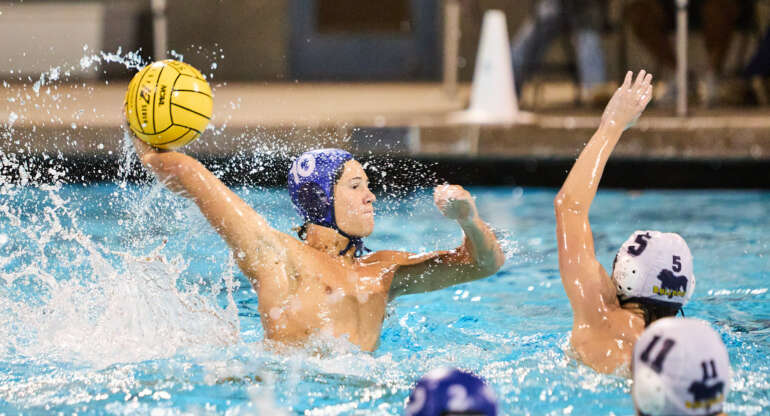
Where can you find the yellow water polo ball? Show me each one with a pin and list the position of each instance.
(168, 104)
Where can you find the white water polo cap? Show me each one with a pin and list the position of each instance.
(680, 367)
(655, 266)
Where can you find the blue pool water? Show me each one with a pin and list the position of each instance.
(121, 299)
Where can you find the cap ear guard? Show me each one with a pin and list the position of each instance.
(648, 391)
(312, 201)
(626, 276)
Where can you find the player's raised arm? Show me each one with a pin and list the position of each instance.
(479, 256)
(247, 233)
(167, 105)
(583, 277)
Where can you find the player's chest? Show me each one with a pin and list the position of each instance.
(355, 283)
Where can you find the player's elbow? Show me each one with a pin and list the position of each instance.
(484, 259)
(489, 263)
(566, 202)
(495, 264)
(560, 201)
(499, 259)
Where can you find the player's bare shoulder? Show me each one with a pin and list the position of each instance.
(607, 345)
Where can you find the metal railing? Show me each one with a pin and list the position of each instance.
(159, 29)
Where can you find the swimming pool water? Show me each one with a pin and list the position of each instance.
(121, 299)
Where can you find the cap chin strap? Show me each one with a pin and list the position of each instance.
(356, 242)
(353, 242)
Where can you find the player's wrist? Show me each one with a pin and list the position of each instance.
(614, 125)
(470, 220)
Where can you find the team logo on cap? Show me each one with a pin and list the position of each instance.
(304, 166)
(706, 394)
(670, 284)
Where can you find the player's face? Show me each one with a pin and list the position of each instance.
(353, 201)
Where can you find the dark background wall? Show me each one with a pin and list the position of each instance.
(253, 35)
(256, 37)
(259, 38)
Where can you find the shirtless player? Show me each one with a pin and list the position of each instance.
(652, 274)
(321, 284)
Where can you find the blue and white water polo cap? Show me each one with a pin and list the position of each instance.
(311, 184)
(449, 391)
(654, 265)
(680, 367)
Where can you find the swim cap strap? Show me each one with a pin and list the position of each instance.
(356, 242)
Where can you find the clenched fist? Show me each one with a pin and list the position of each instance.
(454, 202)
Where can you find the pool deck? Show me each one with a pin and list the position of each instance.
(379, 118)
(405, 120)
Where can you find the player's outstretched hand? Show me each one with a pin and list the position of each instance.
(628, 102)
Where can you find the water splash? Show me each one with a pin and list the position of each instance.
(68, 298)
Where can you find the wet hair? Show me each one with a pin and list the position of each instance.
(302, 229)
(654, 309)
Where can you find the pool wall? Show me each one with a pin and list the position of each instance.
(412, 172)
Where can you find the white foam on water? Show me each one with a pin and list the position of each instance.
(81, 302)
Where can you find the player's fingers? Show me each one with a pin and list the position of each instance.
(648, 95)
(639, 78)
(627, 81)
(648, 79)
(644, 84)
